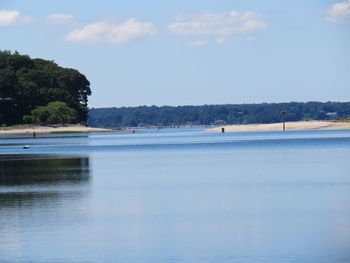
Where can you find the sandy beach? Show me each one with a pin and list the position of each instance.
(290, 126)
(28, 130)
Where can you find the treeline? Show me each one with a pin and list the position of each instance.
(216, 114)
(28, 86)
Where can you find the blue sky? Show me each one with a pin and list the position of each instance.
(190, 52)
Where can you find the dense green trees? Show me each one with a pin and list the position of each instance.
(219, 114)
(27, 83)
(56, 112)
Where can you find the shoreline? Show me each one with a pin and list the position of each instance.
(290, 126)
(29, 130)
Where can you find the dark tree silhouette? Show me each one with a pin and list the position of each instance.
(27, 83)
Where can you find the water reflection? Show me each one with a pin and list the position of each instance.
(42, 170)
(42, 180)
(40, 194)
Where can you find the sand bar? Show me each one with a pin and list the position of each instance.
(290, 126)
(28, 130)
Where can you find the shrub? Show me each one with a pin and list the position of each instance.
(56, 112)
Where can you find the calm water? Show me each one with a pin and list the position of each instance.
(176, 196)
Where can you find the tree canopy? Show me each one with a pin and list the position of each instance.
(217, 114)
(27, 83)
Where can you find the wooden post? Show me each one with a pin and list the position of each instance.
(284, 119)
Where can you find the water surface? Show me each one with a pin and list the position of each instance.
(176, 196)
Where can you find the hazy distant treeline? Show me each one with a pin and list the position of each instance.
(217, 114)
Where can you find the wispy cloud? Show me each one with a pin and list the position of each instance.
(197, 43)
(105, 32)
(221, 41)
(59, 18)
(222, 25)
(339, 12)
(13, 17)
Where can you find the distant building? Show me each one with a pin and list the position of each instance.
(332, 115)
(220, 122)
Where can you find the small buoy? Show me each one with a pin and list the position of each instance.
(26, 146)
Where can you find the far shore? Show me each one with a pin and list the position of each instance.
(29, 130)
(290, 126)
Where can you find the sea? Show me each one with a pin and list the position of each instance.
(176, 195)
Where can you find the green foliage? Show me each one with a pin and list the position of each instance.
(28, 119)
(27, 83)
(347, 118)
(56, 112)
(216, 114)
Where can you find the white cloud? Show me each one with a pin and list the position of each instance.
(12, 17)
(59, 18)
(105, 32)
(339, 12)
(197, 43)
(216, 24)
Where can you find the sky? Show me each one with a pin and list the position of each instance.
(190, 52)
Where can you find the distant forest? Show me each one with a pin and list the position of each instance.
(40, 91)
(217, 114)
